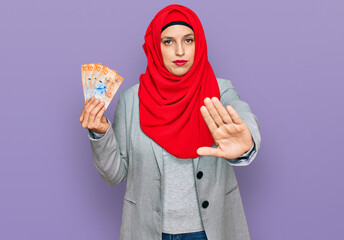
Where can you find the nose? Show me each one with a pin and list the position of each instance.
(179, 49)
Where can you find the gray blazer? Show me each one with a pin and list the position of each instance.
(126, 153)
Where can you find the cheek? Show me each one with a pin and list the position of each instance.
(192, 53)
(192, 56)
(166, 55)
(163, 52)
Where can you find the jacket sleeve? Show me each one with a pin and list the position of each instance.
(95, 135)
(230, 97)
(109, 152)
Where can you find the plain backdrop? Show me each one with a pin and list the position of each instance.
(285, 59)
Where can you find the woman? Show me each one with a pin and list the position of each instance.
(174, 139)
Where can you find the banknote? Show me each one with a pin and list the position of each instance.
(89, 72)
(99, 81)
(106, 85)
(83, 78)
(97, 70)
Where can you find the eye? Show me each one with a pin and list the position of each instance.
(167, 42)
(189, 40)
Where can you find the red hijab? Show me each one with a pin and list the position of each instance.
(170, 105)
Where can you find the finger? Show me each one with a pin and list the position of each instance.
(226, 118)
(208, 119)
(94, 112)
(213, 112)
(100, 121)
(208, 151)
(103, 119)
(81, 115)
(87, 110)
(234, 115)
(90, 101)
(87, 103)
(100, 113)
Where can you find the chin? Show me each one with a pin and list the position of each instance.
(180, 73)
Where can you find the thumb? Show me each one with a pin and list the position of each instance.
(209, 151)
(103, 119)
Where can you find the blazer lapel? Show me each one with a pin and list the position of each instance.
(158, 154)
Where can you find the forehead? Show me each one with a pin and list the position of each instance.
(176, 31)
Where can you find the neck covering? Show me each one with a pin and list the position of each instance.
(170, 105)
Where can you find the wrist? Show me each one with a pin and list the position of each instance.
(102, 131)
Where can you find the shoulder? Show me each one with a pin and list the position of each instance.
(130, 92)
(224, 84)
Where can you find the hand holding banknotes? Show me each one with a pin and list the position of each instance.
(100, 83)
(92, 116)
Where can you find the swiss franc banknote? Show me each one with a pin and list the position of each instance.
(99, 81)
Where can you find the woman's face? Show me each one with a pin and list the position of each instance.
(178, 49)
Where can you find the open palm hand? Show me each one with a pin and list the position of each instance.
(230, 133)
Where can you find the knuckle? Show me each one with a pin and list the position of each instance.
(93, 112)
(100, 114)
(96, 126)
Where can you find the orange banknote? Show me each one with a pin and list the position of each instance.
(99, 81)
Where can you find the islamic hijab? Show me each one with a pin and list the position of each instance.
(170, 105)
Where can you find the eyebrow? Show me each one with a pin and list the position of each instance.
(187, 35)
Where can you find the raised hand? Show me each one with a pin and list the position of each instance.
(230, 133)
(92, 116)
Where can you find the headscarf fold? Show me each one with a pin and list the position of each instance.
(170, 105)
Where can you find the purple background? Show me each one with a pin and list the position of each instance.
(285, 58)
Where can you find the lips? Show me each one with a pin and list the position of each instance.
(179, 62)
